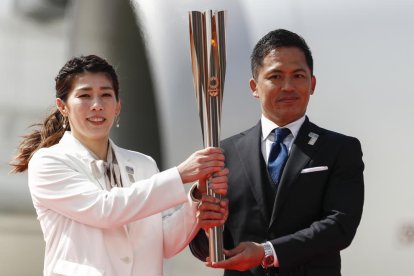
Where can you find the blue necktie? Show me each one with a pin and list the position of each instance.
(278, 155)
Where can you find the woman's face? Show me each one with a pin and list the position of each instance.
(91, 107)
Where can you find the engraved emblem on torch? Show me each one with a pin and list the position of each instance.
(213, 88)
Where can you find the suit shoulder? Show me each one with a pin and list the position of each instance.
(335, 136)
(238, 136)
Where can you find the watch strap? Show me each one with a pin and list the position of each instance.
(269, 258)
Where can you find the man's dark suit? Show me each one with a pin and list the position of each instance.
(312, 216)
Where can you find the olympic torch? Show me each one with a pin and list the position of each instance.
(208, 57)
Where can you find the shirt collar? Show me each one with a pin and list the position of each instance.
(69, 140)
(268, 126)
(109, 156)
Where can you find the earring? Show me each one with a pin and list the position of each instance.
(117, 121)
(64, 123)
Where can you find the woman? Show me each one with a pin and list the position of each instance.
(100, 206)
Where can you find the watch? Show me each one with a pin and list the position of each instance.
(268, 259)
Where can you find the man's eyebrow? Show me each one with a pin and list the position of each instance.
(275, 70)
(299, 70)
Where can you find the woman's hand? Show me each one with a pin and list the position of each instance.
(201, 164)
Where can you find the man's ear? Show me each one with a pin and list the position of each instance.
(253, 88)
(313, 85)
(62, 107)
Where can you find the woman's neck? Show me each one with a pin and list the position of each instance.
(99, 147)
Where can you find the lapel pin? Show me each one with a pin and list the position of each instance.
(129, 170)
(131, 178)
(313, 138)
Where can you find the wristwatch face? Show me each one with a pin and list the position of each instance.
(268, 261)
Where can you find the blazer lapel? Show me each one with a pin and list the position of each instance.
(306, 143)
(83, 157)
(248, 150)
(126, 167)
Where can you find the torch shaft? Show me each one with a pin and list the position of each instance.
(208, 58)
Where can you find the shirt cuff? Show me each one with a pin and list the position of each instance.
(276, 261)
(194, 193)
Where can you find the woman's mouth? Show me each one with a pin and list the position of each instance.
(96, 120)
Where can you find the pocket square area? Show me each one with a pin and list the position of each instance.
(314, 169)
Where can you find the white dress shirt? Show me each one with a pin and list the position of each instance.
(268, 137)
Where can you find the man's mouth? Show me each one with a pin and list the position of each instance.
(288, 99)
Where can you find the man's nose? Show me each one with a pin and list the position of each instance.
(287, 84)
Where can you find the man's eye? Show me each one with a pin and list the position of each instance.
(83, 95)
(107, 95)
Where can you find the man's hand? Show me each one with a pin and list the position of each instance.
(212, 212)
(243, 257)
(217, 182)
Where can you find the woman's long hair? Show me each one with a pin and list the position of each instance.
(51, 130)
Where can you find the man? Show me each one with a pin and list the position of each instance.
(288, 217)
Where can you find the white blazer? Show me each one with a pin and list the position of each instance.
(90, 231)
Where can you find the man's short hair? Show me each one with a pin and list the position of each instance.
(277, 39)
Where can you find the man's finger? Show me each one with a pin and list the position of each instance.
(228, 263)
(232, 252)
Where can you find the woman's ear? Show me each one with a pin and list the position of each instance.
(118, 108)
(62, 107)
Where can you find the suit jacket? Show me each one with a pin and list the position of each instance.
(91, 231)
(314, 213)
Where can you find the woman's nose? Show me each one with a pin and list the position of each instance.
(96, 104)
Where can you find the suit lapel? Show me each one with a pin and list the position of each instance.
(304, 147)
(248, 150)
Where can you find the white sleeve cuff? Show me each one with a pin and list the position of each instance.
(276, 261)
(192, 197)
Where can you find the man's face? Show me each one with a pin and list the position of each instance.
(283, 85)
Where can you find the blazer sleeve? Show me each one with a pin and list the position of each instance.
(179, 227)
(56, 185)
(342, 209)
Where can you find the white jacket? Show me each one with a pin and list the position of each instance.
(90, 231)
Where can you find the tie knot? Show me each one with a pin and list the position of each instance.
(281, 133)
